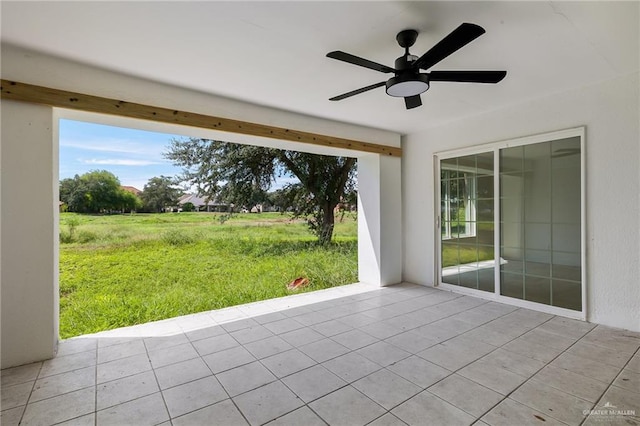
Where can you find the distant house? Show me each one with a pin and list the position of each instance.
(135, 191)
(201, 204)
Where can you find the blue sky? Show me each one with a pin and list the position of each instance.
(134, 156)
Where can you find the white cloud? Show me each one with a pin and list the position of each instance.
(119, 162)
(105, 145)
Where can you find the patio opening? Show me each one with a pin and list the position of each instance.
(177, 245)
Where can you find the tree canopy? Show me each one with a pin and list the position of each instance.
(160, 192)
(96, 191)
(241, 175)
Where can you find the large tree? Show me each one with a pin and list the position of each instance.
(97, 191)
(241, 174)
(160, 192)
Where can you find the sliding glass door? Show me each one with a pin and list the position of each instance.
(467, 224)
(533, 191)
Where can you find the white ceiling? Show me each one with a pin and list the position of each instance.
(273, 53)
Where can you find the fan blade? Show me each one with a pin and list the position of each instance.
(357, 92)
(468, 76)
(457, 39)
(412, 101)
(355, 60)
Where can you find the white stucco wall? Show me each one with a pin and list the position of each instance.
(610, 111)
(29, 258)
(379, 220)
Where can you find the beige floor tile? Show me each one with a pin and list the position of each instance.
(86, 420)
(22, 374)
(181, 372)
(146, 411)
(245, 378)
(383, 353)
(76, 345)
(163, 342)
(301, 336)
(194, 395)
(492, 376)
(214, 344)
(301, 416)
(267, 403)
(126, 389)
(122, 368)
(427, 409)
(62, 364)
(386, 388)
(16, 395)
(228, 359)
(572, 383)
(351, 367)
(456, 353)
(510, 413)
(323, 350)
(283, 325)
(533, 350)
(466, 394)
(628, 380)
(223, 413)
(60, 408)
(411, 342)
(123, 350)
(288, 362)
(251, 334)
(557, 404)
(387, 420)
(347, 406)
(354, 339)
(313, 383)
(161, 357)
(205, 333)
(11, 416)
(63, 383)
(586, 367)
(419, 371)
(600, 354)
(267, 347)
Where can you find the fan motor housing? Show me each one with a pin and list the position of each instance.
(407, 84)
(405, 62)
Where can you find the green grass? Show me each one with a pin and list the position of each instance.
(123, 270)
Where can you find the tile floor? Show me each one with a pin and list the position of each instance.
(353, 355)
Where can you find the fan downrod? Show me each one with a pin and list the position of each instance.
(407, 38)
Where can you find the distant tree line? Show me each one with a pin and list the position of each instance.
(99, 191)
(236, 175)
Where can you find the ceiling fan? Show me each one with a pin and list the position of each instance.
(408, 82)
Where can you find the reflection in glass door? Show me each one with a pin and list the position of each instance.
(540, 225)
(539, 216)
(467, 223)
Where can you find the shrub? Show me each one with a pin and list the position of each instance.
(65, 237)
(188, 207)
(86, 237)
(176, 238)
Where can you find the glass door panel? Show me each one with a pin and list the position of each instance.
(467, 221)
(540, 214)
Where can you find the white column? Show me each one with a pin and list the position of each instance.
(379, 220)
(28, 270)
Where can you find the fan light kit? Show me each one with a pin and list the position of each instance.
(408, 82)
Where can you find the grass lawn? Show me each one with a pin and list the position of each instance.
(122, 270)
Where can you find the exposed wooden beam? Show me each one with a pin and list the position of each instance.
(15, 91)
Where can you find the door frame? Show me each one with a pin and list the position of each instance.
(495, 147)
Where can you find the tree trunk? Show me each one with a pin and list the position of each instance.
(326, 226)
